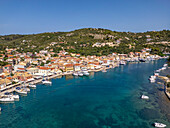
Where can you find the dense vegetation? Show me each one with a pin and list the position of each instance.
(82, 40)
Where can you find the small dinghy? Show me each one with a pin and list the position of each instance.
(159, 125)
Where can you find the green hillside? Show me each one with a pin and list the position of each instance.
(82, 41)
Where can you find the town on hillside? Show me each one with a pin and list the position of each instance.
(20, 68)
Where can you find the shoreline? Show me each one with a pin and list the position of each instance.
(164, 97)
(11, 88)
(161, 100)
(164, 104)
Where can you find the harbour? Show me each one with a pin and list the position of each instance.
(102, 101)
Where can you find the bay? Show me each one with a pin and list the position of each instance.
(101, 100)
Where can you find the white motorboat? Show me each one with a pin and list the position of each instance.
(26, 89)
(0, 109)
(158, 70)
(7, 94)
(80, 74)
(165, 65)
(144, 97)
(75, 74)
(122, 63)
(163, 68)
(32, 86)
(16, 97)
(6, 99)
(85, 73)
(153, 77)
(156, 74)
(152, 81)
(46, 82)
(20, 90)
(159, 125)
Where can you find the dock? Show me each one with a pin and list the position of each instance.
(11, 88)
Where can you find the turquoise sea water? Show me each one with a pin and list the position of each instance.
(102, 100)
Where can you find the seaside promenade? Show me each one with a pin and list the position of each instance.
(11, 88)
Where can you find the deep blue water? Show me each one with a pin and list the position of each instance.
(102, 100)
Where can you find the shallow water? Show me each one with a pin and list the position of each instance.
(102, 100)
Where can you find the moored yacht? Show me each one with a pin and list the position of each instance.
(26, 89)
(32, 86)
(7, 94)
(75, 74)
(163, 68)
(156, 74)
(165, 65)
(80, 74)
(159, 125)
(158, 70)
(16, 97)
(6, 99)
(85, 73)
(122, 62)
(20, 90)
(152, 79)
(46, 82)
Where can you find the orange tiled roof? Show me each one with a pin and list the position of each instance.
(21, 68)
(9, 78)
(10, 55)
(7, 65)
(76, 64)
(69, 65)
(44, 68)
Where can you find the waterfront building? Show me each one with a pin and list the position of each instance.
(43, 71)
(4, 83)
(77, 67)
(69, 67)
(32, 71)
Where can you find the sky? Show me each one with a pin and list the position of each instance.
(37, 16)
